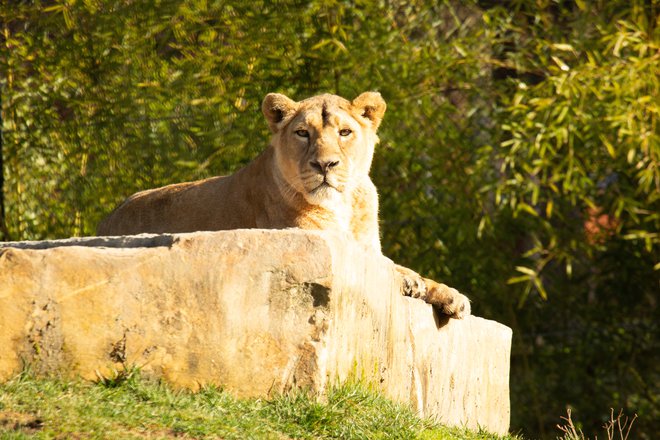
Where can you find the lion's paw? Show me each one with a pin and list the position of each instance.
(444, 298)
(448, 300)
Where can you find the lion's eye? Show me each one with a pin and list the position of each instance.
(345, 132)
(302, 133)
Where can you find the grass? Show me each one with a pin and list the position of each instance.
(130, 407)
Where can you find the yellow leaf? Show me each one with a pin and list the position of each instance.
(564, 47)
(482, 225)
(548, 209)
(514, 280)
(608, 146)
(526, 271)
(320, 44)
(539, 286)
(562, 65)
(525, 207)
(339, 45)
(617, 46)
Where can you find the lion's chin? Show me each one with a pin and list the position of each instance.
(323, 195)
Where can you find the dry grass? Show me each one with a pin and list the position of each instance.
(617, 428)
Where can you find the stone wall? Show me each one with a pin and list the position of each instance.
(256, 312)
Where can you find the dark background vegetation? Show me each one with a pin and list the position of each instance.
(519, 156)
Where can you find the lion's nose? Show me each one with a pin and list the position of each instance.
(323, 166)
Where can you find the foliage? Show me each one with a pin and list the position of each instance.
(137, 408)
(518, 158)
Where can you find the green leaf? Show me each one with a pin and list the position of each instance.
(518, 279)
(528, 209)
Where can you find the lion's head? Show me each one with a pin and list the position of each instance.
(323, 145)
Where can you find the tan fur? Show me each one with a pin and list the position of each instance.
(313, 175)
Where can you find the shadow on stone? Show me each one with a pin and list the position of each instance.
(133, 241)
(440, 318)
(320, 294)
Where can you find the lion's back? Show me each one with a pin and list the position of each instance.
(180, 207)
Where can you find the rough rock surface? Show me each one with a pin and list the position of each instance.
(257, 312)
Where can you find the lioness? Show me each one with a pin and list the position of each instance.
(313, 175)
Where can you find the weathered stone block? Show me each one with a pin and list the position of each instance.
(257, 312)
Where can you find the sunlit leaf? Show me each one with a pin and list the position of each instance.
(526, 271)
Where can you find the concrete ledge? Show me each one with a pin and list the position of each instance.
(255, 311)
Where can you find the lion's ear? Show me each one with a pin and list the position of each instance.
(372, 106)
(277, 109)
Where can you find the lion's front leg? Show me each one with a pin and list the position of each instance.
(444, 298)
